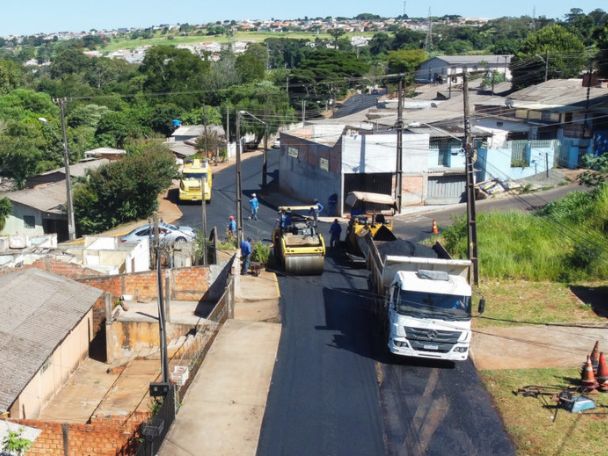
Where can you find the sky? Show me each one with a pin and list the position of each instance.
(36, 16)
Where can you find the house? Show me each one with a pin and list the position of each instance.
(565, 110)
(77, 170)
(39, 210)
(449, 68)
(45, 332)
(327, 161)
(192, 132)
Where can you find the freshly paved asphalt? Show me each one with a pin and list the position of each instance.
(334, 390)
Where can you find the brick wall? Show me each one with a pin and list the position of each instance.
(187, 284)
(62, 268)
(102, 437)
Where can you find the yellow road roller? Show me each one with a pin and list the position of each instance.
(369, 212)
(298, 246)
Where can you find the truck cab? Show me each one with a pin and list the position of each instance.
(196, 181)
(429, 315)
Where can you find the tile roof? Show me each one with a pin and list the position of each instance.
(38, 310)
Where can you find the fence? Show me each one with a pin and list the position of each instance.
(155, 430)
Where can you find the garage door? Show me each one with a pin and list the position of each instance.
(446, 189)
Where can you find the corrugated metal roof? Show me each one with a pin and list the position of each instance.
(80, 169)
(473, 59)
(45, 197)
(553, 94)
(38, 309)
(197, 130)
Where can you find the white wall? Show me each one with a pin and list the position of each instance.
(15, 225)
(377, 153)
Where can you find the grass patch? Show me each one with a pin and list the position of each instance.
(533, 302)
(126, 43)
(566, 241)
(530, 423)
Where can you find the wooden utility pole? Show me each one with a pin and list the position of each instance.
(399, 161)
(546, 66)
(68, 177)
(265, 164)
(227, 131)
(161, 306)
(204, 215)
(239, 208)
(470, 182)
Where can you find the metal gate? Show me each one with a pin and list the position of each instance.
(446, 189)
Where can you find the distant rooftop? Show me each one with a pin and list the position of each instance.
(473, 59)
(197, 130)
(49, 197)
(80, 169)
(38, 310)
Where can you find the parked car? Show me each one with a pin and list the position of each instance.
(169, 234)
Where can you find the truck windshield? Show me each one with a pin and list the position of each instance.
(193, 175)
(423, 304)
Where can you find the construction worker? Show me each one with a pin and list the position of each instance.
(245, 255)
(254, 205)
(316, 210)
(283, 220)
(335, 230)
(231, 229)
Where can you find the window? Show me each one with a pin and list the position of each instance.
(29, 221)
(568, 117)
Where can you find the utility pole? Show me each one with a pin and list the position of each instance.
(265, 165)
(470, 182)
(589, 78)
(399, 164)
(204, 215)
(546, 65)
(161, 306)
(68, 177)
(239, 208)
(227, 130)
(303, 112)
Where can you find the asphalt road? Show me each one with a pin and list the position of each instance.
(334, 390)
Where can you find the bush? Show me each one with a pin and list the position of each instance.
(260, 253)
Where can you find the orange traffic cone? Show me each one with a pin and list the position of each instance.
(588, 381)
(602, 373)
(595, 355)
(435, 228)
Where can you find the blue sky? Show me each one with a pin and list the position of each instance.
(32, 16)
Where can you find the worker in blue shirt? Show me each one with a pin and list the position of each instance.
(335, 230)
(316, 210)
(231, 229)
(245, 255)
(254, 205)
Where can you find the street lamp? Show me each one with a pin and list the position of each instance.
(68, 177)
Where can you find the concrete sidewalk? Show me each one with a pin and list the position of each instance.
(223, 409)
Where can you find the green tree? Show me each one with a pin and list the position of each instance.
(167, 69)
(602, 57)
(124, 190)
(251, 65)
(380, 43)
(68, 61)
(406, 61)
(115, 128)
(11, 76)
(5, 210)
(335, 34)
(565, 51)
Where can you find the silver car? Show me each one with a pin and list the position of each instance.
(169, 234)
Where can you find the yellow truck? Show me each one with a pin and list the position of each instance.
(196, 175)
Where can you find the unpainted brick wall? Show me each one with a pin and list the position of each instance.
(62, 268)
(102, 437)
(187, 284)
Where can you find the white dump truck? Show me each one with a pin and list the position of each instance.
(424, 304)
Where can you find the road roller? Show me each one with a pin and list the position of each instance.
(369, 212)
(298, 246)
